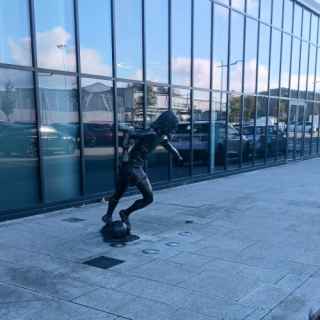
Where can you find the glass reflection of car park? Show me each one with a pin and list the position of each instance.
(201, 136)
(21, 140)
(98, 134)
(260, 142)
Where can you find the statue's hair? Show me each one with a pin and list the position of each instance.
(314, 316)
(166, 122)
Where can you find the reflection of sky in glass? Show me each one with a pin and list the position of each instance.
(287, 17)
(314, 28)
(202, 33)
(277, 13)
(275, 59)
(129, 40)
(303, 69)
(285, 65)
(251, 55)
(220, 50)
(15, 32)
(157, 40)
(236, 57)
(265, 11)
(253, 7)
(306, 25)
(295, 64)
(55, 34)
(263, 58)
(297, 20)
(181, 41)
(95, 37)
(312, 65)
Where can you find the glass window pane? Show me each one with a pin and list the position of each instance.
(95, 51)
(314, 29)
(260, 142)
(60, 136)
(236, 54)
(306, 25)
(253, 7)
(285, 67)
(311, 75)
(317, 82)
(248, 127)
(182, 138)
(202, 41)
(264, 56)
(295, 67)
(129, 48)
(277, 13)
(275, 63)
(308, 132)
(303, 70)
(18, 141)
(297, 20)
(282, 128)
(157, 40)
(273, 141)
(15, 46)
(158, 102)
(316, 129)
(287, 17)
(201, 132)
(265, 11)
(55, 34)
(97, 110)
(220, 50)
(238, 4)
(251, 56)
(181, 41)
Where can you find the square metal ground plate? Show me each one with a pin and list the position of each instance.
(103, 262)
(73, 220)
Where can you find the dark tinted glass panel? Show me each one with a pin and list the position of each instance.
(201, 132)
(297, 23)
(182, 138)
(282, 128)
(264, 56)
(275, 62)
(236, 55)
(158, 102)
(55, 34)
(129, 39)
(15, 46)
(253, 7)
(233, 146)
(97, 110)
(181, 41)
(157, 40)
(277, 13)
(272, 139)
(248, 128)
(218, 130)
(265, 11)
(60, 136)
(260, 139)
(314, 29)
(220, 50)
(18, 141)
(311, 73)
(306, 25)
(316, 129)
(251, 56)
(285, 65)
(303, 70)
(317, 80)
(295, 67)
(308, 132)
(95, 38)
(202, 35)
(287, 17)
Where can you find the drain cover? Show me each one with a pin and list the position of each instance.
(172, 244)
(185, 234)
(151, 251)
(73, 220)
(103, 262)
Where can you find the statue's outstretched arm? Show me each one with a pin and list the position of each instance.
(171, 148)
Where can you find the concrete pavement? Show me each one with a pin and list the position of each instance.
(241, 247)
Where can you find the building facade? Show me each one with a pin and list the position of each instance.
(243, 76)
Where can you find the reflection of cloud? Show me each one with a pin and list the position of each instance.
(239, 4)
(21, 50)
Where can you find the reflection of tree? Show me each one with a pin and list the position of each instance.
(9, 101)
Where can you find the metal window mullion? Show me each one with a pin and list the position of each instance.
(211, 164)
(80, 111)
(192, 85)
(114, 90)
(42, 184)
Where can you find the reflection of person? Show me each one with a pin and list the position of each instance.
(137, 144)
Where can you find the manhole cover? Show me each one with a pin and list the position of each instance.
(103, 262)
(151, 251)
(185, 234)
(73, 220)
(172, 244)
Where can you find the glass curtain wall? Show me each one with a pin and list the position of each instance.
(242, 76)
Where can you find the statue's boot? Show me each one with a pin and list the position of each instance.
(125, 219)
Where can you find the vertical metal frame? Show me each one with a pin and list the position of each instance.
(144, 62)
(42, 185)
(315, 80)
(79, 89)
(192, 88)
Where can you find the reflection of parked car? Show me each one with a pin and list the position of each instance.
(22, 140)
(98, 134)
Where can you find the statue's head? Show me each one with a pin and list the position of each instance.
(166, 123)
(314, 316)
